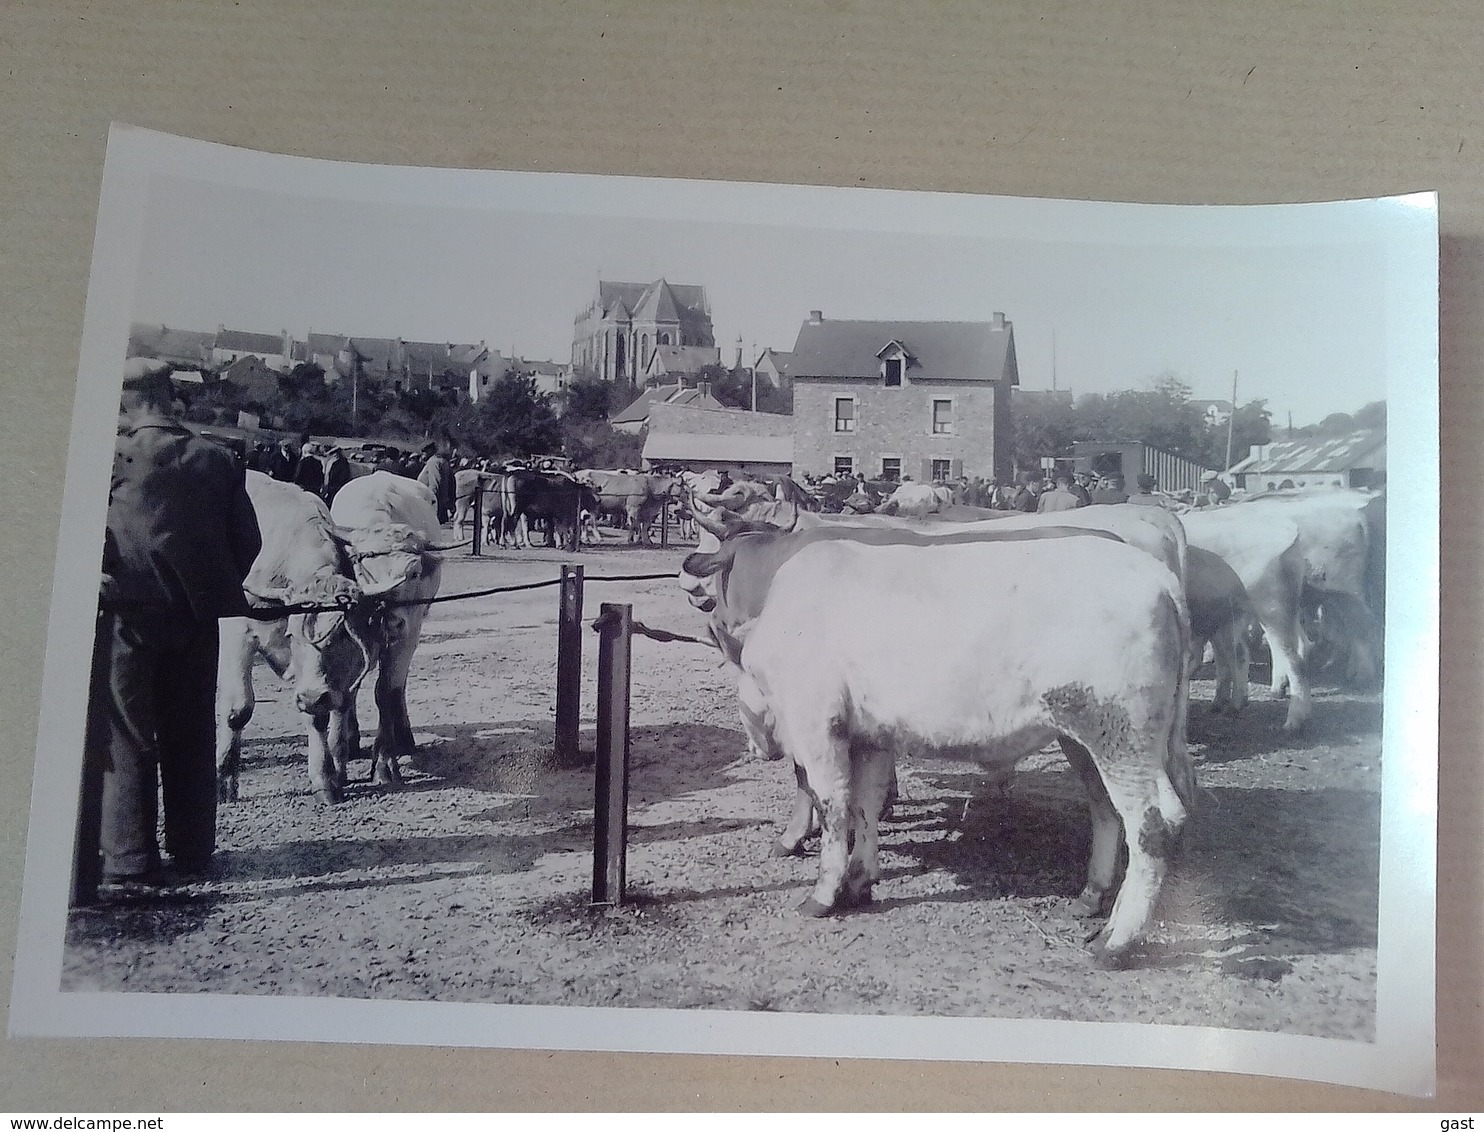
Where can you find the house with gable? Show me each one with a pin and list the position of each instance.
(616, 335)
(633, 417)
(772, 366)
(894, 400)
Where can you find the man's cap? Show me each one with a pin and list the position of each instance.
(1208, 475)
(147, 373)
(1146, 480)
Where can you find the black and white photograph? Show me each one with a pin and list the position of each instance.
(578, 612)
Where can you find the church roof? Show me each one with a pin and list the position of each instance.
(671, 298)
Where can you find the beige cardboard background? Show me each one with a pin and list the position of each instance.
(1195, 102)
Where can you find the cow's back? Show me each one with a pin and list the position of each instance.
(962, 647)
(381, 498)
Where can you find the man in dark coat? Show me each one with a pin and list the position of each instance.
(180, 538)
(1029, 495)
(1110, 490)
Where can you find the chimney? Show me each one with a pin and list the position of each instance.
(738, 363)
(997, 322)
(816, 317)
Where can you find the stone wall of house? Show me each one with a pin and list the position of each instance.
(897, 422)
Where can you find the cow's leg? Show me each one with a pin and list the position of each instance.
(828, 781)
(873, 772)
(1232, 641)
(338, 735)
(1107, 833)
(234, 702)
(802, 822)
(322, 778)
(1153, 815)
(394, 729)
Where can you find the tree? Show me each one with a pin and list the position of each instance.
(512, 419)
(1337, 424)
(597, 444)
(1371, 415)
(589, 399)
(1251, 424)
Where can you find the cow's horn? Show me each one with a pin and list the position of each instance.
(715, 526)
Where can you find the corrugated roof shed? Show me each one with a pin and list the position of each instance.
(1319, 455)
(937, 351)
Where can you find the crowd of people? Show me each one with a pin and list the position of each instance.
(1031, 491)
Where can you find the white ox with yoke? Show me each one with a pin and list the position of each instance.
(323, 651)
(1043, 656)
(391, 523)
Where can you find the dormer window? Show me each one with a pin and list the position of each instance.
(894, 358)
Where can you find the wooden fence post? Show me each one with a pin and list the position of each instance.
(569, 665)
(611, 779)
(475, 547)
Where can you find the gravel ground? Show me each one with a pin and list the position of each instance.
(471, 884)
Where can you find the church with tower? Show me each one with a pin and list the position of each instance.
(630, 330)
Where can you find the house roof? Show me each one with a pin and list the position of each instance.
(1319, 455)
(167, 344)
(245, 341)
(684, 359)
(938, 351)
(638, 408)
(419, 357)
(660, 447)
(782, 359)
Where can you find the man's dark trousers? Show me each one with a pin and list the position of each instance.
(158, 720)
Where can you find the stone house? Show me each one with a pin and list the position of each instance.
(896, 400)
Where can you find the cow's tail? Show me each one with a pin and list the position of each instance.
(1179, 770)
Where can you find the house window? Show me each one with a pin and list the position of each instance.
(844, 465)
(891, 371)
(942, 417)
(891, 468)
(844, 414)
(664, 339)
(942, 471)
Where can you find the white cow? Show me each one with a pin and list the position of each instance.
(863, 651)
(915, 500)
(390, 521)
(1341, 538)
(323, 656)
(1263, 551)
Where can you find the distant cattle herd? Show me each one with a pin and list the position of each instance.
(920, 623)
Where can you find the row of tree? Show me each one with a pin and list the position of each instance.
(512, 417)
(1163, 416)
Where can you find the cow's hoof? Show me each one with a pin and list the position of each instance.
(330, 796)
(1087, 904)
(1109, 960)
(813, 908)
(786, 849)
(226, 790)
(859, 898)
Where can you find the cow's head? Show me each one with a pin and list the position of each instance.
(332, 646)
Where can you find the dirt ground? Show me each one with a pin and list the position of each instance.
(472, 883)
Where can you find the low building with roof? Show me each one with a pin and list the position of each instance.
(1356, 459)
(184, 349)
(896, 399)
(635, 415)
(773, 366)
(668, 364)
(702, 438)
(274, 351)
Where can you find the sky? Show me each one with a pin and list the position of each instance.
(1297, 315)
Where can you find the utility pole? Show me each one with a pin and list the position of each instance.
(1231, 423)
